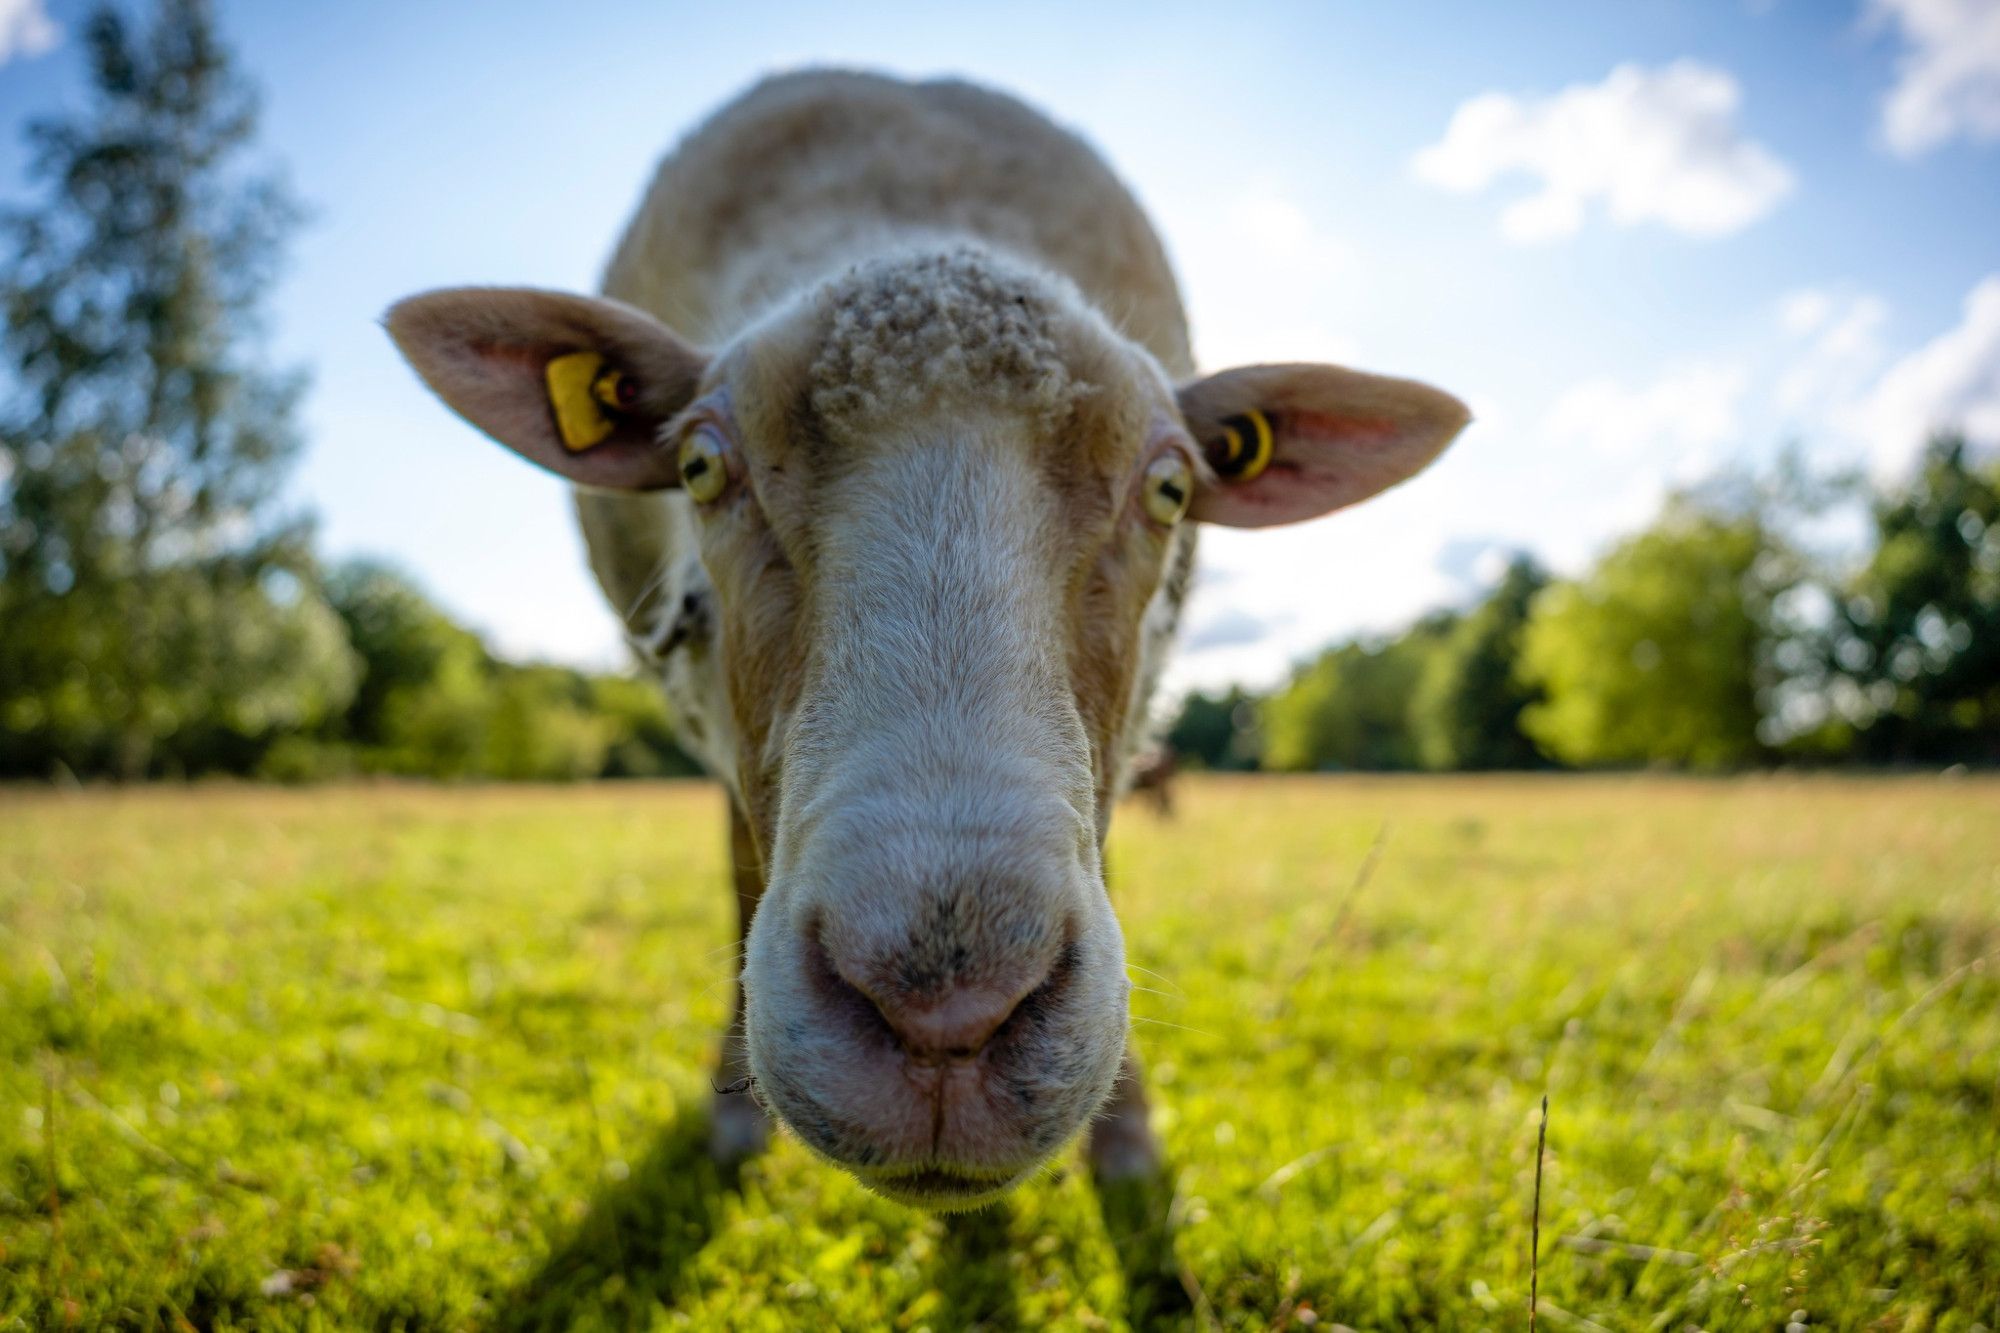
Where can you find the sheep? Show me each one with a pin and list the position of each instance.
(889, 448)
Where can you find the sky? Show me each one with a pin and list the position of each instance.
(1644, 240)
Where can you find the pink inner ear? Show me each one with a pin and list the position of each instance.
(1348, 458)
(519, 370)
(498, 387)
(1333, 428)
(512, 353)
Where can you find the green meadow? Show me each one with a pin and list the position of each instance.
(419, 1058)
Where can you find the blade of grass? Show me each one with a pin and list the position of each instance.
(1535, 1225)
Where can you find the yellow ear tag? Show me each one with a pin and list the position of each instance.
(580, 417)
(1245, 449)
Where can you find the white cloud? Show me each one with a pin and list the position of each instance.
(1951, 382)
(26, 30)
(1837, 349)
(1263, 279)
(1266, 599)
(1652, 145)
(1282, 232)
(1488, 412)
(1948, 78)
(1679, 420)
(1491, 565)
(1803, 312)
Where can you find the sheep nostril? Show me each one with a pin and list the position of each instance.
(955, 1022)
(955, 1027)
(835, 993)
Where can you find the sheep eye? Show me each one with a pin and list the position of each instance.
(703, 469)
(1169, 488)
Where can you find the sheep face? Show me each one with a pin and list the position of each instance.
(952, 497)
(944, 508)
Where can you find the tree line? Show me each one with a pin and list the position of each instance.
(1732, 632)
(164, 612)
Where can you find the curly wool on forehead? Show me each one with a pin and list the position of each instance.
(920, 332)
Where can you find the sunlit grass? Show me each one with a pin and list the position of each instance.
(403, 1057)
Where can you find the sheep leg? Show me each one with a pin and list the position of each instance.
(1122, 1145)
(737, 1125)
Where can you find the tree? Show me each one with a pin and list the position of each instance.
(1217, 731)
(151, 600)
(640, 729)
(539, 727)
(1660, 653)
(1350, 707)
(1916, 644)
(434, 702)
(1468, 704)
(407, 647)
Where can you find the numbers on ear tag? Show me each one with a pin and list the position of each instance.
(585, 397)
(1244, 450)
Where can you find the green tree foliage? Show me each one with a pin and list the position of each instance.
(1468, 704)
(423, 702)
(407, 644)
(152, 609)
(1218, 731)
(1660, 652)
(433, 702)
(640, 740)
(1349, 708)
(1916, 642)
(539, 726)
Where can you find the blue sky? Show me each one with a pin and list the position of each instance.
(1643, 239)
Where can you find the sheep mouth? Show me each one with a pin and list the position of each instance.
(940, 1188)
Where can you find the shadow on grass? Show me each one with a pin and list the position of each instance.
(626, 1257)
(973, 1274)
(1138, 1217)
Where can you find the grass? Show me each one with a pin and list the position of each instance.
(417, 1058)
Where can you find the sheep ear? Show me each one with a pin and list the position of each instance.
(579, 385)
(1291, 442)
